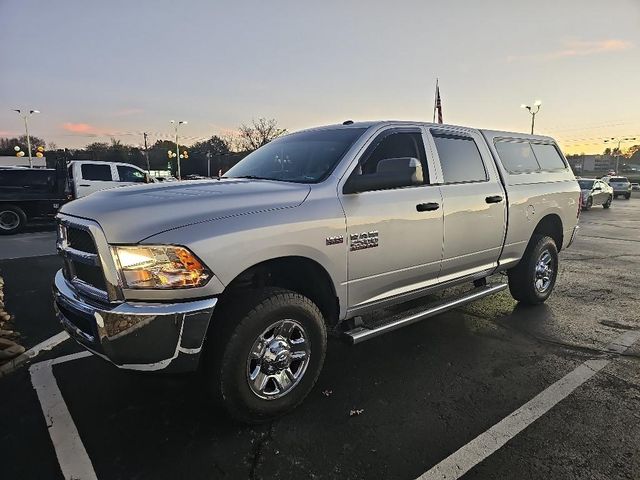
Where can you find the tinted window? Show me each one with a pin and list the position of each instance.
(460, 158)
(547, 156)
(517, 157)
(96, 172)
(129, 174)
(585, 184)
(305, 157)
(618, 179)
(40, 180)
(395, 145)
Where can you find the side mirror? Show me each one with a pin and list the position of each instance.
(390, 173)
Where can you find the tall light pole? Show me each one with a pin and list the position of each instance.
(620, 140)
(146, 152)
(177, 154)
(25, 116)
(533, 111)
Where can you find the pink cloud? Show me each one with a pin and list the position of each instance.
(6, 133)
(78, 127)
(578, 48)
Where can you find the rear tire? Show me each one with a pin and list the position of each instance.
(252, 365)
(607, 204)
(588, 204)
(12, 219)
(532, 280)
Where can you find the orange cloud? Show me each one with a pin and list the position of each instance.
(78, 127)
(577, 48)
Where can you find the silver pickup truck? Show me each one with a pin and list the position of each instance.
(242, 277)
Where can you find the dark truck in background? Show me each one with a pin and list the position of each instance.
(28, 194)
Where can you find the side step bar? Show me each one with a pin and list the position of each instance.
(362, 333)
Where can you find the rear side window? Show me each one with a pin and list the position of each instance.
(96, 172)
(517, 157)
(460, 158)
(618, 179)
(548, 156)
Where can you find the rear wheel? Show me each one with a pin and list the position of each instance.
(532, 280)
(265, 353)
(607, 204)
(12, 219)
(588, 204)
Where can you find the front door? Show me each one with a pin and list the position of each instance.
(92, 177)
(394, 236)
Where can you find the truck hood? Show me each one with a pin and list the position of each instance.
(131, 214)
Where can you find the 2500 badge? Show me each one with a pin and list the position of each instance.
(360, 241)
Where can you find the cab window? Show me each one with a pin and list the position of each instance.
(92, 171)
(395, 145)
(129, 174)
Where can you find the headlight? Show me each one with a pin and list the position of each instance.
(159, 267)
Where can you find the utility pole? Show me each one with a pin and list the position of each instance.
(208, 163)
(146, 153)
(177, 154)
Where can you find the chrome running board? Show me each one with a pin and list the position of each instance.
(361, 333)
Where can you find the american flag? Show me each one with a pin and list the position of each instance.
(438, 105)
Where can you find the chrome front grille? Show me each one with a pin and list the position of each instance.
(82, 264)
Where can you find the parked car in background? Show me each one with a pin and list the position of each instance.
(635, 187)
(595, 192)
(87, 177)
(28, 194)
(621, 186)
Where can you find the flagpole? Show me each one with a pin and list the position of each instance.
(435, 102)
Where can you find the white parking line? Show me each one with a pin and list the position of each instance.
(48, 344)
(72, 456)
(485, 444)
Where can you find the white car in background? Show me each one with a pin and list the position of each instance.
(87, 177)
(620, 185)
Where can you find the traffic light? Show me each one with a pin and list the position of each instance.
(40, 151)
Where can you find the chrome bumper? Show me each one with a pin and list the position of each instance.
(136, 336)
(573, 235)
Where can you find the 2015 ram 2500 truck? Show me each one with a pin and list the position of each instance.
(244, 276)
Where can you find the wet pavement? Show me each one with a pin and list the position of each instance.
(425, 391)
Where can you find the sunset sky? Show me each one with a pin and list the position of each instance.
(117, 68)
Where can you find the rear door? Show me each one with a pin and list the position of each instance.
(473, 201)
(92, 177)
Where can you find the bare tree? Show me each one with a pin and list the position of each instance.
(259, 133)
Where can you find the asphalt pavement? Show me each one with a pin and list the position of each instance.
(423, 392)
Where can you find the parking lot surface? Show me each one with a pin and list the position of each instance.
(421, 393)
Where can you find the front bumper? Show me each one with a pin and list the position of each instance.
(136, 336)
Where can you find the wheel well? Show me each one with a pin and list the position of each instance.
(299, 274)
(551, 225)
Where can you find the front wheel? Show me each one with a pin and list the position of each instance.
(588, 204)
(607, 204)
(264, 353)
(627, 196)
(532, 280)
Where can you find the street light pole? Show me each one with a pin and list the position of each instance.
(178, 156)
(26, 128)
(533, 112)
(619, 140)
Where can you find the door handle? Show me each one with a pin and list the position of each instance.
(493, 199)
(427, 207)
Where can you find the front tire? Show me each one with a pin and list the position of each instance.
(532, 280)
(264, 353)
(589, 204)
(627, 196)
(607, 204)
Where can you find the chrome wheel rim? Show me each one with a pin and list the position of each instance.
(278, 359)
(544, 272)
(9, 220)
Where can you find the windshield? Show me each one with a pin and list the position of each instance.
(586, 184)
(305, 157)
(618, 179)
